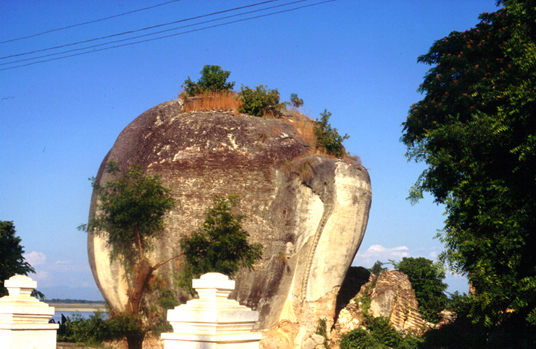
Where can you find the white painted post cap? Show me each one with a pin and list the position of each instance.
(214, 281)
(20, 285)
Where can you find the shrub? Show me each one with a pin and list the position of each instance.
(213, 79)
(220, 244)
(92, 330)
(383, 332)
(259, 101)
(328, 139)
(380, 335)
(296, 102)
(410, 341)
(359, 339)
(127, 326)
(96, 329)
(364, 301)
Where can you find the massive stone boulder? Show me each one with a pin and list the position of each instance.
(309, 210)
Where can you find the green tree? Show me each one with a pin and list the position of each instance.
(328, 138)
(220, 244)
(213, 79)
(12, 261)
(426, 278)
(259, 101)
(130, 215)
(475, 128)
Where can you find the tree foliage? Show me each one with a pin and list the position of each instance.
(131, 212)
(475, 128)
(426, 278)
(328, 138)
(12, 261)
(220, 244)
(213, 79)
(130, 215)
(259, 101)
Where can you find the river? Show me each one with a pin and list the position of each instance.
(84, 310)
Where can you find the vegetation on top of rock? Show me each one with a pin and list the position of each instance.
(212, 92)
(220, 244)
(213, 79)
(295, 100)
(259, 101)
(426, 278)
(328, 138)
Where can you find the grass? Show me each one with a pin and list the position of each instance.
(304, 126)
(214, 101)
(302, 165)
(305, 170)
(286, 166)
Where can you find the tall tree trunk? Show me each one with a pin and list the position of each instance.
(143, 274)
(135, 340)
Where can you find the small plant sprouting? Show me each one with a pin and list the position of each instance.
(321, 329)
(364, 301)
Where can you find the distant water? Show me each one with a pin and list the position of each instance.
(83, 314)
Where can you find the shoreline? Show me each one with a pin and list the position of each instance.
(78, 307)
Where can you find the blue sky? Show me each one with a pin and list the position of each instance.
(357, 59)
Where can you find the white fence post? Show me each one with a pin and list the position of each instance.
(212, 321)
(24, 319)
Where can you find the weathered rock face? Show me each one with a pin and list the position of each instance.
(391, 296)
(309, 211)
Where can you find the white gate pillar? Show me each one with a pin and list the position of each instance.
(212, 321)
(24, 319)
